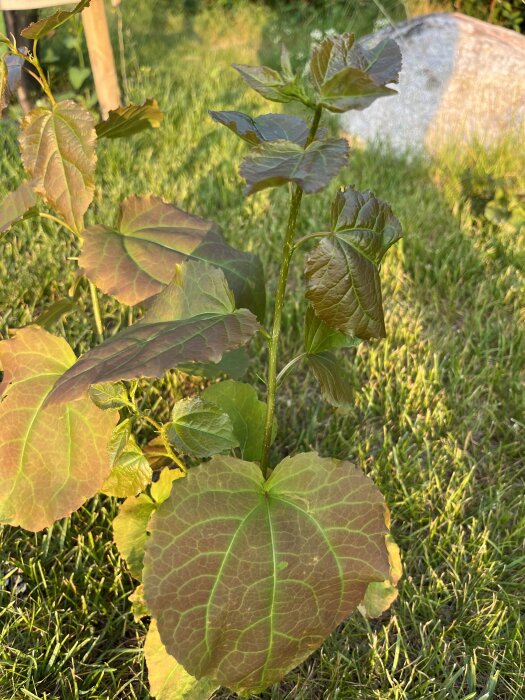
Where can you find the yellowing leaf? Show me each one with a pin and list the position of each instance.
(53, 458)
(58, 150)
(167, 678)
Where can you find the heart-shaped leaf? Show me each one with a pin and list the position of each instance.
(130, 527)
(192, 320)
(134, 260)
(127, 121)
(58, 150)
(199, 428)
(246, 578)
(17, 206)
(266, 127)
(342, 273)
(274, 164)
(53, 458)
(348, 75)
(167, 678)
(247, 413)
(37, 30)
(77, 76)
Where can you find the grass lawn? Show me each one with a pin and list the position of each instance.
(438, 414)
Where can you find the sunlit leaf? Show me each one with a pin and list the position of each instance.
(130, 470)
(58, 150)
(138, 603)
(37, 30)
(274, 164)
(17, 206)
(192, 320)
(247, 413)
(127, 121)
(199, 428)
(342, 272)
(348, 75)
(130, 527)
(167, 678)
(266, 127)
(235, 563)
(109, 395)
(234, 364)
(271, 84)
(53, 458)
(379, 596)
(54, 313)
(135, 259)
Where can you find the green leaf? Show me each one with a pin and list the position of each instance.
(347, 75)
(274, 164)
(167, 678)
(54, 313)
(379, 596)
(336, 385)
(318, 336)
(266, 127)
(58, 150)
(199, 428)
(77, 76)
(53, 458)
(127, 121)
(138, 603)
(37, 30)
(130, 527)
(109, 395)
(342, 272)
(135, 260)
(192, 320)
(273, 85)
(234, 363)
(17, 206)
(130, 470)
(247, 413)
(237, 564)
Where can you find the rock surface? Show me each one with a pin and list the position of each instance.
(462, 79)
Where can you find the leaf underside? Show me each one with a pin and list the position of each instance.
(246, 578)
(52, 459)
(37, 30)
(132, 119)
(58, 150)
(192, 320)
(266, 127)
(275, 164)
(135, 260)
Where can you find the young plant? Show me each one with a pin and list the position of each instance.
(244, 566)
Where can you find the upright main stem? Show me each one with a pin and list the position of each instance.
(273, 343)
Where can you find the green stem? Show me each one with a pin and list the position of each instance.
(96, 311)
(45, 85)
(45, 215)
(304, 239)
(273, 343)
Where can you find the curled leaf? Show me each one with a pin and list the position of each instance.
(37, 30)
(18, 206)
(127, 121)
(266, 127)
(130, 469)
(52, 458)
(236, 563)
(274, 164)
(273, 85)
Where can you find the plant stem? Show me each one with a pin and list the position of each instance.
(320, 234)
(45, 85)
(96, 311)
(282, 374)
(45, 215)
(273, 343)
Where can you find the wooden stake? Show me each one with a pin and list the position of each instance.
(101, 56)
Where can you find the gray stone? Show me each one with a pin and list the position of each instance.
(461, 79)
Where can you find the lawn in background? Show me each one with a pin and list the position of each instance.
(438, 414)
